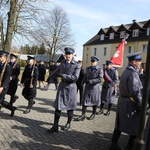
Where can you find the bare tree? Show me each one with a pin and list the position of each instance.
(17, 18)
(54, 30)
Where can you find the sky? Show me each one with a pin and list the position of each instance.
(87, 17)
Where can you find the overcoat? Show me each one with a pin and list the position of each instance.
(5, 80)
(42, 72)
(91, 94)
(27, 92)
(13, 84)
(66, 97)
(147, 134)
(129, 101)
(109, 86)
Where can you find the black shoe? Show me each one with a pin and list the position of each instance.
(33, 103)
(114, 146)
(53, 130)
(80, 118)
(28, 110)
(15, 98)
(100, 112)
(66, 127)
(13, 111)
(107, 113)
(91, 117)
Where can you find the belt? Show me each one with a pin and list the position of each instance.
(68, 81)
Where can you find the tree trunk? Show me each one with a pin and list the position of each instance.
(10, 25)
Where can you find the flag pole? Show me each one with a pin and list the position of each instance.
(139, 141)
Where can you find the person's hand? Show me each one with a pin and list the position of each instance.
(31, 85)
(1, 89)
(21, 85)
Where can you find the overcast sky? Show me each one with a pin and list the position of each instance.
(87, 17)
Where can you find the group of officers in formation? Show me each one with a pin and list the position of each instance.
(73, 78)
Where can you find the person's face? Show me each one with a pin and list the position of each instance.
(2, 59)
(108, 66)
(93, 63)
(30, 62)
(137, 63)
(68, 56)
(13, 59)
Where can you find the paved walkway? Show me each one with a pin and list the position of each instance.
(28, 131)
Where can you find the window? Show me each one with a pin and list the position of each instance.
(87, 49)
(111, 36)
(135, 32)
(144, 48)
(105, 51)
(95, 50)
(102, 37)
(86, 58)
(129, 49)
(148, 30)
(122, 34)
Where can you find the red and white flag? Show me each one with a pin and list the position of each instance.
(117, 59)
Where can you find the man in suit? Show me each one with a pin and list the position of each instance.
(5, 74)
(29, 81)
(129, 103)
(79, 85)
(66, 97)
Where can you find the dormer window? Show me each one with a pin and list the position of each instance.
(122, 34)
(148, 30)
(101, 37)
(135, 33)
(111, 36)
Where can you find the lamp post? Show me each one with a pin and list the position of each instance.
(139, 142)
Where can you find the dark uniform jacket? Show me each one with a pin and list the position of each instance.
(29, 93)
(81, 76)
(129, 102)
(109, 86)
(91, 93)
(14, 82)
(5, 80)
(66, 98)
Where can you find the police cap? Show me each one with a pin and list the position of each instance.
(3, 53)
(93, 59)
(134, 56)
(69, 50)
(108, 62)
(13, 56)
(31, 57)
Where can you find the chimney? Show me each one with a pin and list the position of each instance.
(134, 20)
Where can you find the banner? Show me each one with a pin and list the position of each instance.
(117, 59)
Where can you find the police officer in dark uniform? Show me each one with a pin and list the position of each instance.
(5, 73)
(13, 84)
(129, 103)
(29, 81)
(109, 87)
(91, 94)
(66, 98)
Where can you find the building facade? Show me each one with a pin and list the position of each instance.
(103, 45)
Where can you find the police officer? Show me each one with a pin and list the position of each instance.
(29, 81)
(129, 103)
(109, 87)
(91, 94)
(66, 98)
(13, 84)
(5, 73)
(79, 85)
